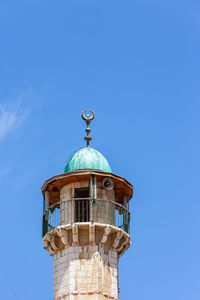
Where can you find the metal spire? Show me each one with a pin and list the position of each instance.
(88, 118)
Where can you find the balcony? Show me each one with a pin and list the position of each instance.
(86, 210)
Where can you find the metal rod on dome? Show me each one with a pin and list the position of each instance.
(88, 118)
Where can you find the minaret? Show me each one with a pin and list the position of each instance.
(86, 225)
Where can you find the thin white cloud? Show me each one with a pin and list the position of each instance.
(12, 116)
(8, 121)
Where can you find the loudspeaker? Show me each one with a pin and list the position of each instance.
(108, 183)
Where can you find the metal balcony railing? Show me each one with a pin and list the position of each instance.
(86, 210)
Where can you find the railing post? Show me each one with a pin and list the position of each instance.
(46, 201)
(93, 195)
(91, 210)
(73, 210)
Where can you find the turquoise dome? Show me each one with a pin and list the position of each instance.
(87, 158)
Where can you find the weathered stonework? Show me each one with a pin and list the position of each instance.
(67, 192)
(83, 234)
(67, 205)
(86, 260)
(85, 273)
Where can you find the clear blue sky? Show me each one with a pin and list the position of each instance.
(137, 64)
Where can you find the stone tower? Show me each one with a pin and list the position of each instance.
(86, 225)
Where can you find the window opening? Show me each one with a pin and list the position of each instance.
(82, 206)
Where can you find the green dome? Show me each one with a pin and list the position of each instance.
(87, 158)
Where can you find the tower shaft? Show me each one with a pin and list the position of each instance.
(85, 272)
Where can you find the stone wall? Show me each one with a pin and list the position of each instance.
(85, 272)
(103, 211)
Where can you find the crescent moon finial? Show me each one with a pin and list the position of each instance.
(88, 118)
